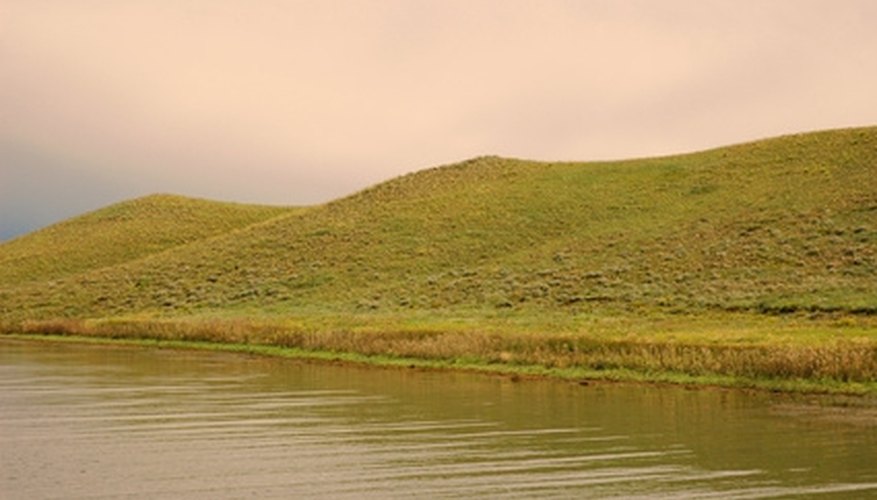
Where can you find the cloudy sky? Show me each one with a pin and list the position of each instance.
(299, 102)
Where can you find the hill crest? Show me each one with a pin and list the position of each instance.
(784, 224)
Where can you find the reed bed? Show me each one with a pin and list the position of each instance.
(836, 360)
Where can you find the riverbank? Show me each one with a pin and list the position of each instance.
(698, 268)
(791, 360)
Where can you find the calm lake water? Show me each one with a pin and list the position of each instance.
(90, 422)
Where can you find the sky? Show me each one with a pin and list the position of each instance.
(301, 102)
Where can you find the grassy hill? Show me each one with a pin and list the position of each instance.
(780, 228)
(119, 233)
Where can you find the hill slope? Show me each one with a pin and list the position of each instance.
(778, 225)
(119, 233)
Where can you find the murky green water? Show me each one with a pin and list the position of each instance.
(87, 422)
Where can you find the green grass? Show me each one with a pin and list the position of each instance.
(121, 233)
(758, 246)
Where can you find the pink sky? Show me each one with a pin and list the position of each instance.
(294, 102)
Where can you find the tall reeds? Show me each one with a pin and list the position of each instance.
(838, 360)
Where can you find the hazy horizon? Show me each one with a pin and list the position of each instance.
(297, 103)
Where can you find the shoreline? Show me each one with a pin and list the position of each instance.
(583, 375)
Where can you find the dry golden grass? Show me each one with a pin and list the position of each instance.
(853, 360)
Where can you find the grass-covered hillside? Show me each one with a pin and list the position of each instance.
(778, 235)
(779, 225)
(120, 233)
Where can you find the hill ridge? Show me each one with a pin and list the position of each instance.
(698, 230)
(121, 231)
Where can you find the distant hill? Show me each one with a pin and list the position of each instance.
(119, 233)
(779, 225)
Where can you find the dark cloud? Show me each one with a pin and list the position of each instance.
(37, 190)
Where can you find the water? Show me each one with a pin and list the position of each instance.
(94, 422)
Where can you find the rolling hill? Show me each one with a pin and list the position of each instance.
(122, 232)
(778, 235)
(778, 225)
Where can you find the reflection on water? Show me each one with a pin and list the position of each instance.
(79, 421)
